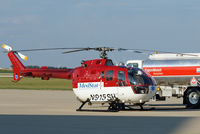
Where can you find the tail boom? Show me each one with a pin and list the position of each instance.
(19, 70)
(18, 67)
(46, 74)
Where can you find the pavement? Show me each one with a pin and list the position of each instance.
(48, 102)
(46, 111)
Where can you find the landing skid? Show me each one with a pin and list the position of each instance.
(83, 103)
(114, 106)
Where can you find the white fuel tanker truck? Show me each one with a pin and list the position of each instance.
(176, 75)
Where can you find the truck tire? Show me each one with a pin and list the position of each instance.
(192, 98)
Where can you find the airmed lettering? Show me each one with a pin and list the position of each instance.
(89, 85)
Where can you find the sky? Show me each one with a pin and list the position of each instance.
(165, 25)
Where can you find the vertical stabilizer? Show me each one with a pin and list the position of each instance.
(18, 67)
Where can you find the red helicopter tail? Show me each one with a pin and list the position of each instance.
(18, 67)
(19, 70)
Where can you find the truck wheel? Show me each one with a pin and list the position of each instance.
(192, 98)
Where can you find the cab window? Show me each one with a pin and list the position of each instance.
(109, 75)
(132, 65)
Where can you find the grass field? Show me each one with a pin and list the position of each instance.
(5, 71)
(6, 74)
(36, 83)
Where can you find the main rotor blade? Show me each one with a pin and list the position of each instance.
(146, 50)
(44, 49)
(83, 49)
(73, 51)
(101, 49)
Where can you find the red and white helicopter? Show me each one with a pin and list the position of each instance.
(95, 81)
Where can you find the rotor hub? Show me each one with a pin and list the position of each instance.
(103, 51)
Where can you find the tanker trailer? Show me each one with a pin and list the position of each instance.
(175, 78)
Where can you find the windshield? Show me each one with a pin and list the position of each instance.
(137, 76)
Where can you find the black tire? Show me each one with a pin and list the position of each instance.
(192, 98)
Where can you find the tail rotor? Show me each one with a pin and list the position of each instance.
(8, 48)
(17, 65)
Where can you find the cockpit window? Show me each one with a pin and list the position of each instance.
(137, 76)
(121, 78)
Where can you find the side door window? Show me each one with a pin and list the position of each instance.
(102, 75)
(109, 75)
(121, 78)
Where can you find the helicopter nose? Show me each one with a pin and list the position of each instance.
(141, 89)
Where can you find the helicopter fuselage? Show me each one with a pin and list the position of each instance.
(97, 80)
(100, 81)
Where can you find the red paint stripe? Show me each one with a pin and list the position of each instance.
(173, 71)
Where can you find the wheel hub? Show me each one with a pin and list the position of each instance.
(193, 98)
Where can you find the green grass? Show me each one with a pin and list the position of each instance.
(5, 71)
(36, 84)
(6, 74)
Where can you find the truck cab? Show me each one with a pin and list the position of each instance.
(135, 63)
